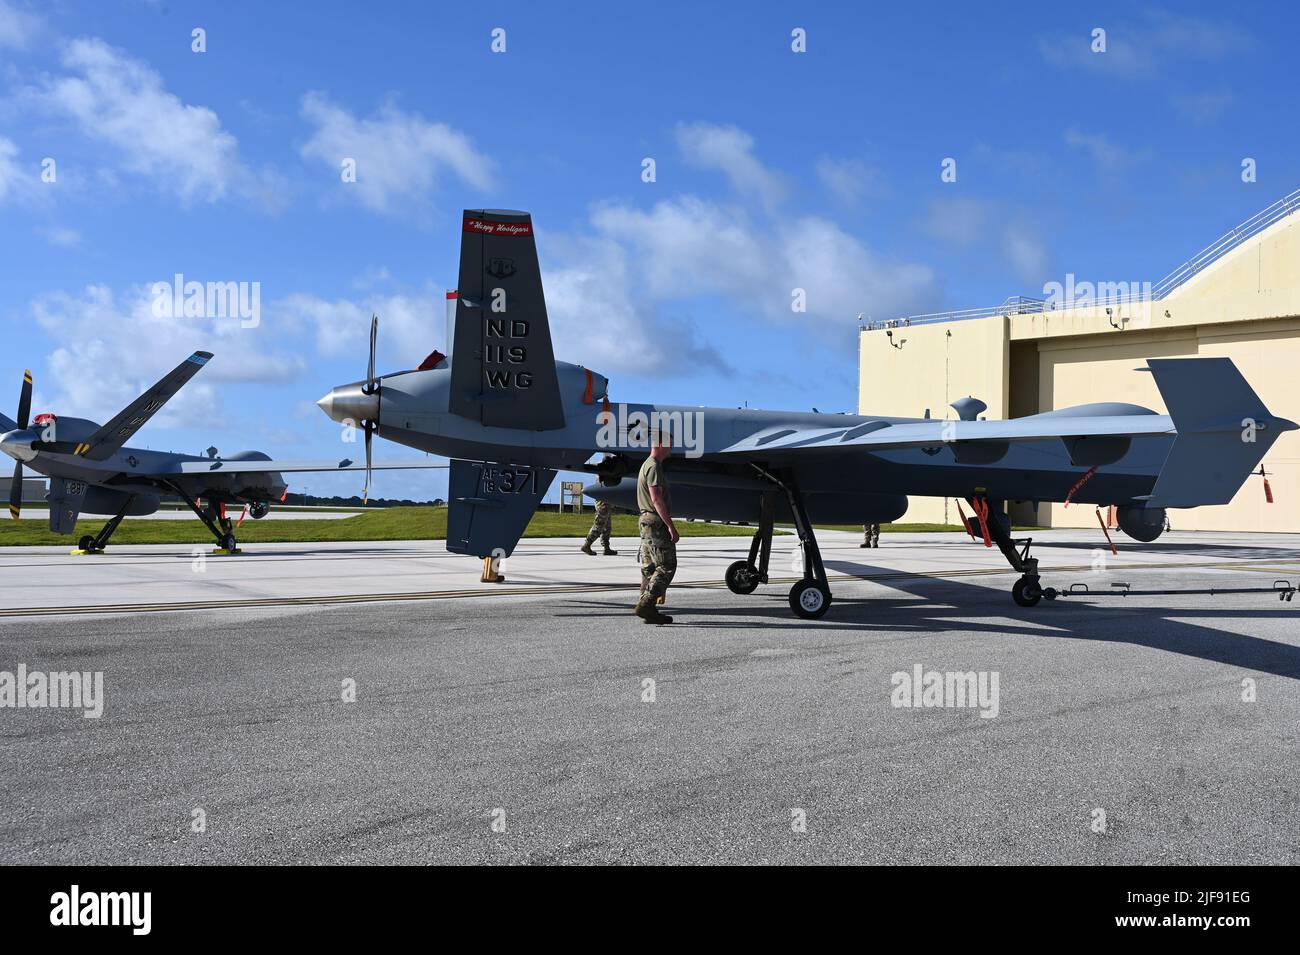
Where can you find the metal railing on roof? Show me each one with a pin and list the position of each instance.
(1020, 305)
(1016, 305)
(1226, 243)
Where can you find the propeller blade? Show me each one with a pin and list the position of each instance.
(371, 384)
(365, 493)
(371, 387)
(25, 399)
(16, 492)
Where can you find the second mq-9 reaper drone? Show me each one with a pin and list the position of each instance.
(92, 470)
(509, 416)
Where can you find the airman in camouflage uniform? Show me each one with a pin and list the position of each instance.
(601, 527)
(658, 535)
(870, 535)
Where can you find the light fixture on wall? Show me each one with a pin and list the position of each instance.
(897, 344)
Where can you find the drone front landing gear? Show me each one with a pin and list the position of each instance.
(744, 576)
(97, 543)
(214, 519)
(810, 597)
(1028, 590)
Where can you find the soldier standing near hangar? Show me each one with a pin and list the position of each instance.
(601, 527)
(659, 535)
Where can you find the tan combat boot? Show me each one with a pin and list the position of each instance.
(647, 611)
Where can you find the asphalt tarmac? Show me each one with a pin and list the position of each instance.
(366, 703)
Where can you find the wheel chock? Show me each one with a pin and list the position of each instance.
(489, 575)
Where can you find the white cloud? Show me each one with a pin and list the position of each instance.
(61, 236)
(400, 157)
(729, 150)
(962, 221)
(688, 246)
(1202, 108)
(18, 27)
(620, 295)
(410, 326)
(598, 321)
(101, 365)
(1105, 153)
(987, 224)
(1143, 47)
(13, 180)
(372, 277)
(843, 277)
(116, 99)
(1027, 252)
(1193, 37)
(849, 180)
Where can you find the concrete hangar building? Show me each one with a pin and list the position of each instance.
(1238, 298)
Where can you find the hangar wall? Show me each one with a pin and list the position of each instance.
(929, 366)
(1245, 306)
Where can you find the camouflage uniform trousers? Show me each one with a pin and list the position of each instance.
(601, 528)
(658, 556)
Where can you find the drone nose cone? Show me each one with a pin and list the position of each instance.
(349, 403)
(18, 445)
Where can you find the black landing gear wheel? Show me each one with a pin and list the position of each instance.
(741, 578)
(1027, 592)
(810, 599)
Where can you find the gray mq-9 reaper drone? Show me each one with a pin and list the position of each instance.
(91, 470)
(509, 416)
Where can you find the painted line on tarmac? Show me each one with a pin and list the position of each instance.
(562, 589)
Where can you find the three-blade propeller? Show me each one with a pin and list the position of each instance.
(24, 412)
(371, 387)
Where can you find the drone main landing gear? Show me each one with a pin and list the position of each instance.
(1028, 590)
(810, 597)
(214, 518)
(97, 543)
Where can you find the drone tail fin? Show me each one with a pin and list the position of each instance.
(1224, 431)
(502, 367)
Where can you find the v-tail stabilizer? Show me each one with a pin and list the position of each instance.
(490, 505)
(1224, 431)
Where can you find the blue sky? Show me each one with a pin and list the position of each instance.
(775, 170)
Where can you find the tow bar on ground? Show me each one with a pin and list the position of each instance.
(1028, 591)
(1284, 589)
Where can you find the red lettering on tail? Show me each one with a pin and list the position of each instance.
(483, 227)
